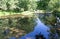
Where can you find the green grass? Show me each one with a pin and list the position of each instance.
(2, 13)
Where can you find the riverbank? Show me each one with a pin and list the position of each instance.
(16, 23)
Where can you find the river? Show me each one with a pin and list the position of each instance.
(39, 28)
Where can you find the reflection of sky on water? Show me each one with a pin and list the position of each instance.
(12, 38)
(40, 27)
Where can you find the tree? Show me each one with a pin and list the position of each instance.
(8, 4)
(42, 4)
(23, 4)
(3, 5)
(54, 5)
(32, 5)
(17, 5)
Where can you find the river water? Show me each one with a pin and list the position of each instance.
(39, 28)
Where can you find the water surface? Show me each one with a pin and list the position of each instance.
(40, 27)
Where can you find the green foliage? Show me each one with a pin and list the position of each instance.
(3, 4)
(48, 19)
(53, 31)
(17, 5)
(32, 5)
(56, 13)
(42, 4)
(54, 5)
(8, 4)
(26, 24)
(51, 20)
(23, 4)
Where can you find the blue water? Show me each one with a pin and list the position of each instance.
(40, 27)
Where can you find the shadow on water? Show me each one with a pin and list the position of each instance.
(39, 28)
